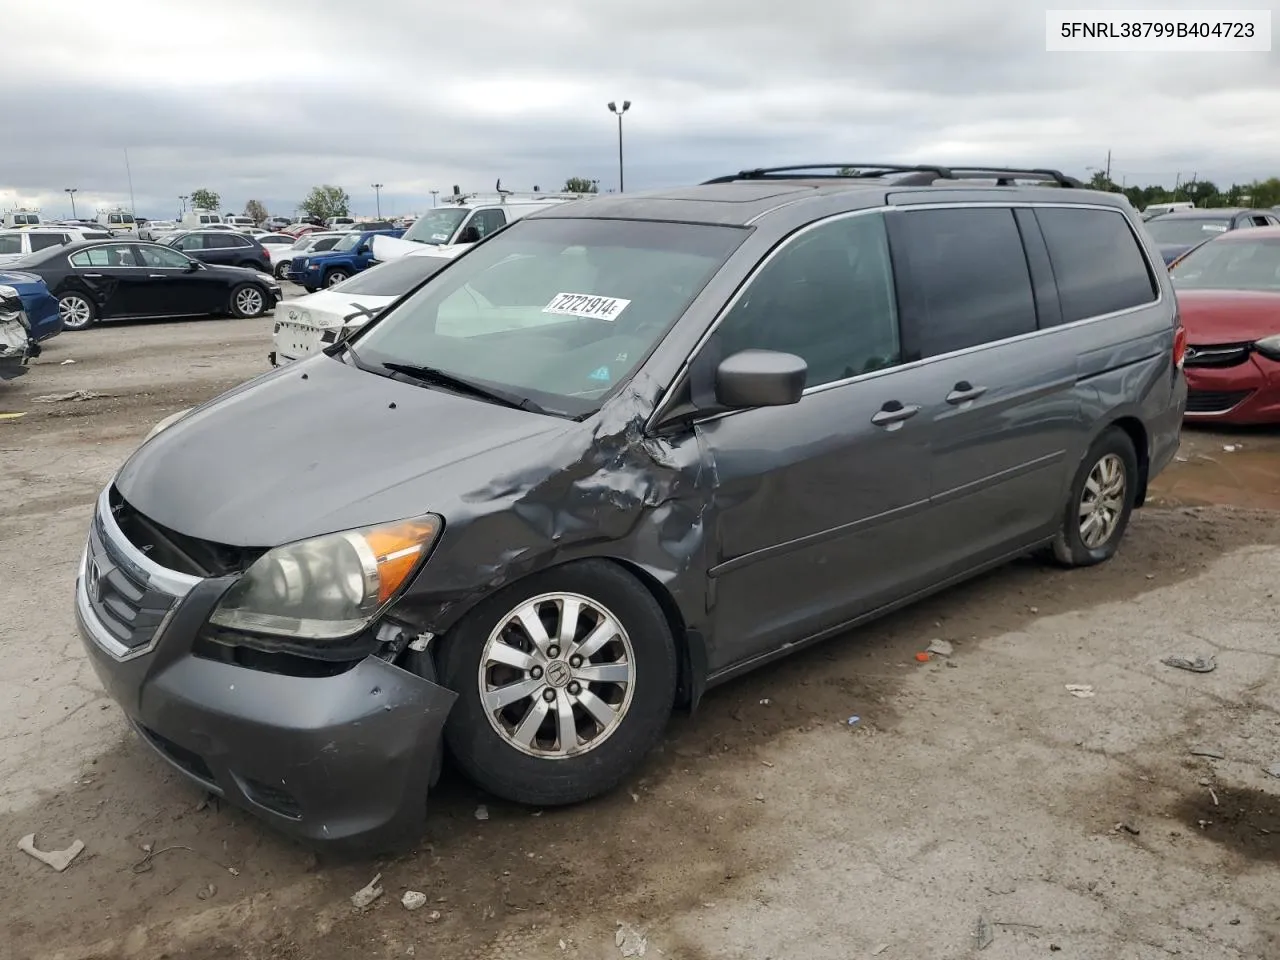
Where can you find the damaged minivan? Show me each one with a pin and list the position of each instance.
(615, 453)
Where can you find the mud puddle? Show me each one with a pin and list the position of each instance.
(1238, 468)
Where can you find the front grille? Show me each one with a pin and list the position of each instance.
(176, 551)
(1214, 401)
(1216, 355)
(122, 599)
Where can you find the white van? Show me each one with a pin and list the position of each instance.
(21, 218)
(464, 220)
(195, 219)
(117, 221)
(240, 223)
(339, 223)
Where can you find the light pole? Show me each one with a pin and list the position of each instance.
(72, 192)
(434, 194)
(613, 108)
(377, 191)
(183, 200)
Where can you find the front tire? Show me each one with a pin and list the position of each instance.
(281, 271)
(334, 277)
(248, 301)
(565, 681)
(77, 311)
(1100, 502)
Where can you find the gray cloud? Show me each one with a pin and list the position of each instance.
(264, 101)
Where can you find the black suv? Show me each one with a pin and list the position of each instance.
(617, 452)
(224, 248)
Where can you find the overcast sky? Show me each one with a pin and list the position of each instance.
(262, 100)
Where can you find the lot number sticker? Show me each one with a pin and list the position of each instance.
(587, 306)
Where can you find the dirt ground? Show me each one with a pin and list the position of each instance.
(972, 791)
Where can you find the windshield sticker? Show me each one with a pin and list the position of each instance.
(601, 373)
(1214, 228)
(587, 306)
(442, 237)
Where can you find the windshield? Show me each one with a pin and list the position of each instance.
(26, 219)
(394, 278)
(558, 311)
(346, 243)
(1231, 265)
(1187, 230)
(437, 226)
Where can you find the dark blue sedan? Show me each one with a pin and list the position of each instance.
(40, 306)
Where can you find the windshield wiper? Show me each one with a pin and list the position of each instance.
(443, 379)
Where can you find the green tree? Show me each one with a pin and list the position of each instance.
(205, 199)
(255, 211)
(580, 185)
(326, 201)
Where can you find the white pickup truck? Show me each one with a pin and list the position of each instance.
(464, 220)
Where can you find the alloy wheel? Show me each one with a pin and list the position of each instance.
(557, 676)
(75, 312)
(249, 301)
(1102, 501)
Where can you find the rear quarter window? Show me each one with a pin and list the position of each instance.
(43, 241)
(1097, 262)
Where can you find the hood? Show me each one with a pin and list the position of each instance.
(19, 280)
(386, 248)
(327, 308)
(1228, 316)
(319, 446)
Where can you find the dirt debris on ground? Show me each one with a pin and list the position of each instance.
(971, 781)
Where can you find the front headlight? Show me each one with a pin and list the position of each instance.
(330, 587)
(1269, 347)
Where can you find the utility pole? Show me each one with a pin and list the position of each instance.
(1108, 166)
(377, 191)
(434, 194)
(613, 108)
(129, 172)
(72, 192)
(182, 199)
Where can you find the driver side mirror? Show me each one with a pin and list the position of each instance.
(362, 249)
(469, 235)
(193, 266)
(760, 378)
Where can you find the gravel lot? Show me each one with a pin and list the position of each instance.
(767, 826)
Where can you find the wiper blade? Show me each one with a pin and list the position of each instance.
(463, 385)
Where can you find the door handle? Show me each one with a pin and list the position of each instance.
(893, 413)
(94, 276)
(155, 276)
(963, 392)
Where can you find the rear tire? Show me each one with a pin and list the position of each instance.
(565, 734)
(77, 311)
(1100, 502)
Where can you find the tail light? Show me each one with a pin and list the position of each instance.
(1179, 346)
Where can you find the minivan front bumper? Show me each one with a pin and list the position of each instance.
(341, 758)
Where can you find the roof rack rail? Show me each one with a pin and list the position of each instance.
(916, 174)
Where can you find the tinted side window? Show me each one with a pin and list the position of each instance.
(239, 242)
(1097, 262)
(218, 241)
(964, 277)
(43, 241)
(10, 243)
(826, 296)
(487, 221)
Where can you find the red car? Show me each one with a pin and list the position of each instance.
(1229, 298)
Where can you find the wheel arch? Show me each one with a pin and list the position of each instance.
(1137, 432)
